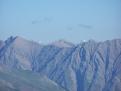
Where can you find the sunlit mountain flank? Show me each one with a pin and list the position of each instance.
(64, 66)
(60, 45)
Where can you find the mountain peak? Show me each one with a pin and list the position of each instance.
(19, 38)
(62, 43)
(10, 40)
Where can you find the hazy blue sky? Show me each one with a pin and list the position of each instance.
(50, 20)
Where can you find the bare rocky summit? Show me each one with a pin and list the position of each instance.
(88, 66)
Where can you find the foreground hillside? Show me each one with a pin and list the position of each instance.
(88, 66)
(20, 80)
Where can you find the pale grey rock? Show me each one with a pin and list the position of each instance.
(88, 66)
(62, 43)
(2, 43)
(19, 53)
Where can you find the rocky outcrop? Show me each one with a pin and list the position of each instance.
(88, 66)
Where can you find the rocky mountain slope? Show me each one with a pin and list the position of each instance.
(23, 80)
(88, 66)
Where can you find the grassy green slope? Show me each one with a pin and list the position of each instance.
(19, 80)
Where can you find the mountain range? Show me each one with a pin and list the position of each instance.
(60, 66)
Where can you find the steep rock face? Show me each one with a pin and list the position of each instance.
(88, 66)
(19, 53)
(1, 44)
